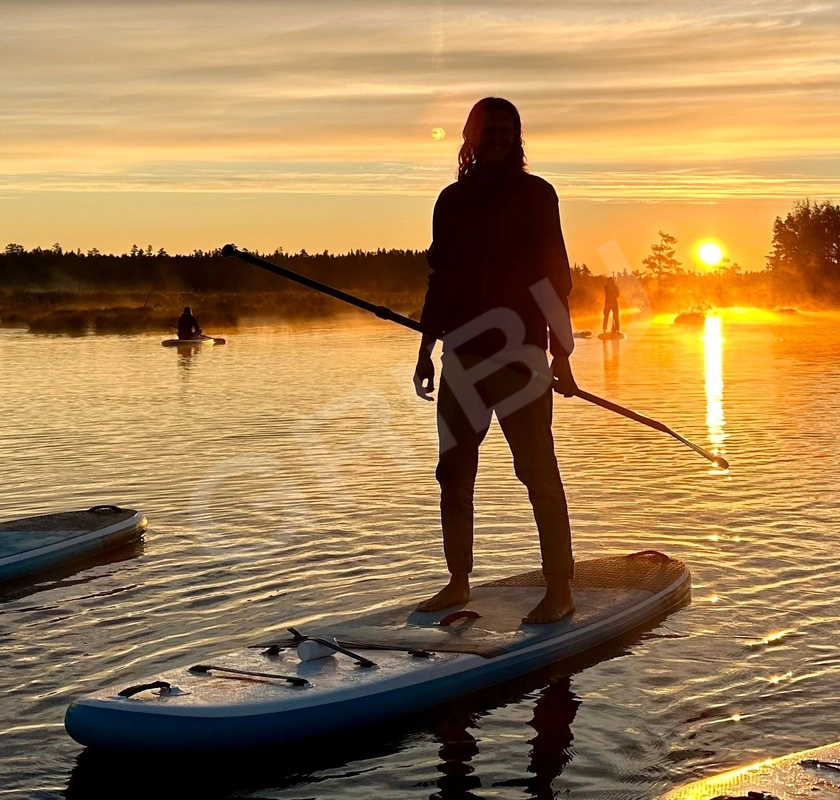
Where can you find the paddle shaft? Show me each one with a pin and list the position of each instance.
(719, 461)
(383, 312)
(216, 339)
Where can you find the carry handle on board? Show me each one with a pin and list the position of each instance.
(130, 691)
(819, 764)
(464, 613)
(295, 680)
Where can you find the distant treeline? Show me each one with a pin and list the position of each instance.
(372, 273)
(803, 267)
(203, 271)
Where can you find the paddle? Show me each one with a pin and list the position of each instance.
(231, 251)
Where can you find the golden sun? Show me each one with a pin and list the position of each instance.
(438, 134)
(710, 253)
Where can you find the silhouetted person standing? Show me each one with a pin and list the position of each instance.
(611, 295)
(498, 262)
(188, 325)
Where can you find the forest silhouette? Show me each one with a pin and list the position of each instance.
(56, 289)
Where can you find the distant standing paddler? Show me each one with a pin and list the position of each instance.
(188, 325)
(500, 274)
(611, 295)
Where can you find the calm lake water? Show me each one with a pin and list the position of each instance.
(290, 474)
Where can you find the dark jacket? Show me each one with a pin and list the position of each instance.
(494, 236)
(187, 326)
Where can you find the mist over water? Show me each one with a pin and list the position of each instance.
(289, 476)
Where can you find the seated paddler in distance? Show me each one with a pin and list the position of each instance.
(188, 327)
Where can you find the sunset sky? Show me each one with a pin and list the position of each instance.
(309, 124)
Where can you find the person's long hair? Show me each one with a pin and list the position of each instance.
(467, 155)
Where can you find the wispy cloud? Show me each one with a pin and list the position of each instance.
(595, 181)
(632, 99)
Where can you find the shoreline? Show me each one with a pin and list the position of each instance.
(129, 312)
(138, 312)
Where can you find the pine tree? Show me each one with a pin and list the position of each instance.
(661, 261)
(806, 248)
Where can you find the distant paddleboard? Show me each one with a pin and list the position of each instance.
(694, 319)
(34, 544)
(582, 334)
(191, 342)
(334, 676)
(611, 335)
(812, 774)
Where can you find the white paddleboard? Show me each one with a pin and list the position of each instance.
(812, 774)
(208, 340)
(399, 661)
(34, 544)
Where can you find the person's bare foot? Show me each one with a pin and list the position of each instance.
(556, 604)
(455, 593)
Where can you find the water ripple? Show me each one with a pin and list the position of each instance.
(290, 475)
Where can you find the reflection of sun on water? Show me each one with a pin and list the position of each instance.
(713, 348)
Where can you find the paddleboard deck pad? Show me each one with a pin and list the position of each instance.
(34, 544)
(601, 587)
(381, 666)
(813, 774)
